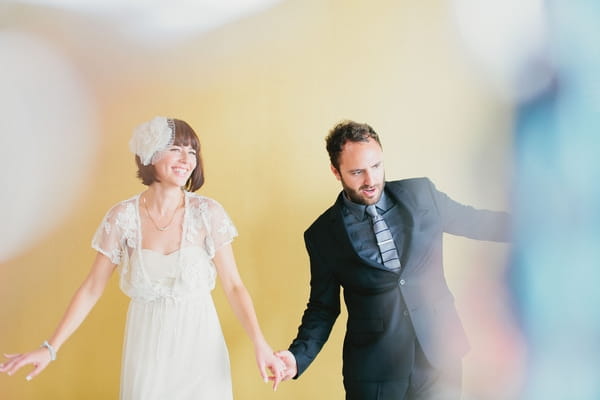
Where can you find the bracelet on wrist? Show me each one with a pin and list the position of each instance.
(51, 349)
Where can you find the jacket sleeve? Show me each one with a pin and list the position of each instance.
(321, 311)
(463, 220)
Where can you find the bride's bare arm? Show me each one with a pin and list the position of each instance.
(80, 306)
(240, 301)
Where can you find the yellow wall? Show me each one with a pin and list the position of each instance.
(262, 94)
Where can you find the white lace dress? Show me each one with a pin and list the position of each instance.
(174, 346)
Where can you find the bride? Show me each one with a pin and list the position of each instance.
(169, 245)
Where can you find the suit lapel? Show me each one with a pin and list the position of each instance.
(404, 199)
(339, 232)
(416, 214)
(338, 229)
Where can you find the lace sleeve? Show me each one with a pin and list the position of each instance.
(221, 228)
(109, 237)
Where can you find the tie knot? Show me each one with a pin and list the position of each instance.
(372, 211)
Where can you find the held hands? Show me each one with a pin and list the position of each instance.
(289, 371)
(270, 366)
(39, 358)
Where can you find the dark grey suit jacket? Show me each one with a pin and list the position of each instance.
(386, 310)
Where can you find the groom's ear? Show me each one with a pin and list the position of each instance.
(335, 172)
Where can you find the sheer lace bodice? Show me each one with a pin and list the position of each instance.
(206, 227)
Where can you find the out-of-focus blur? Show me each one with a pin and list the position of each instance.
(160, 22)
(544, 57)
(508, 41)
(48, 138)
(555, 272)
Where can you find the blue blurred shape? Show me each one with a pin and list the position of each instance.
(555, 273)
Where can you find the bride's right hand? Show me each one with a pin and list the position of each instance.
(39, 358)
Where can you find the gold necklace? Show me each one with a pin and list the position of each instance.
(164, 228)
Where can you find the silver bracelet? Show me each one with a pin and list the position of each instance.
(51, 349)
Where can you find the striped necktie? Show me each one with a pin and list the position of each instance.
(385, 242)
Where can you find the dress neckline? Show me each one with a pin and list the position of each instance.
(174, 252)
(177, 251)
(182, 226)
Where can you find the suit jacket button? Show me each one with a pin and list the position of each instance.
(402, 281)
(405, 313)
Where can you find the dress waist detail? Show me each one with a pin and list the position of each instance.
(184, 275)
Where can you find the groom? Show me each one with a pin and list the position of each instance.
(382, 243)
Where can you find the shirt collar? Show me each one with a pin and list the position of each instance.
(359, 210)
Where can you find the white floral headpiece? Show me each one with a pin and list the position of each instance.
(151, 138)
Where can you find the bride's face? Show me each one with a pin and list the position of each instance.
(175, 165)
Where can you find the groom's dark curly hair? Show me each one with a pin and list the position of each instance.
(347, 131)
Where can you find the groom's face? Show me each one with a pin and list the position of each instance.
(361, 171)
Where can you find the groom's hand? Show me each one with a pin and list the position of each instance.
(290, 370)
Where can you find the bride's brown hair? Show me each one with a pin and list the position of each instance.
(184, 136)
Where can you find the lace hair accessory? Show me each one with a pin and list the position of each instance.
(151, 138)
